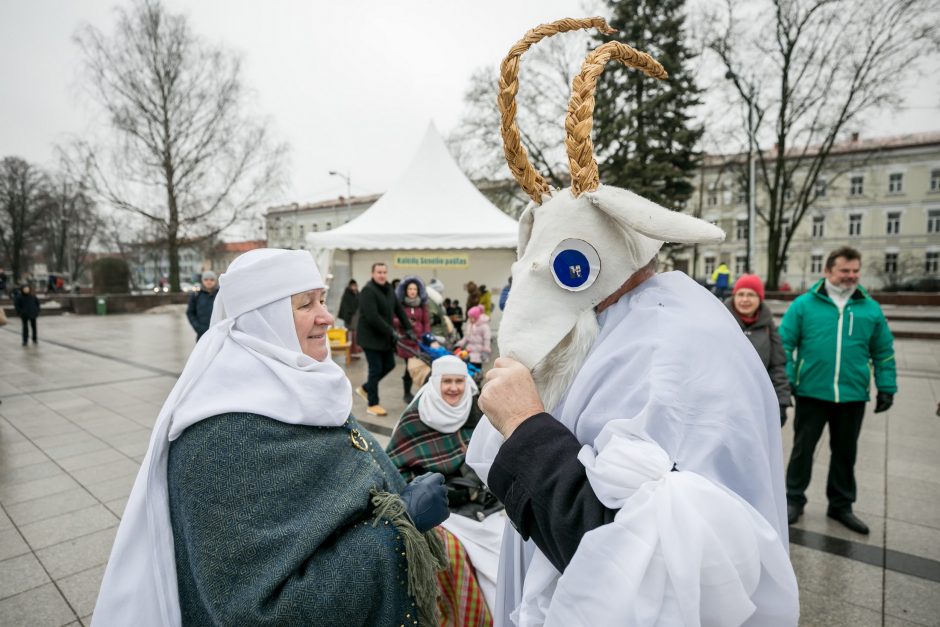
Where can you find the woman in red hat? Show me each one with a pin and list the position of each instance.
(747, 306)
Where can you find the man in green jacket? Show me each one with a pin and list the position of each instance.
(835, 336)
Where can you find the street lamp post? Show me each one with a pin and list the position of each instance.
(751, 183)
(751, 187)
(348, 180)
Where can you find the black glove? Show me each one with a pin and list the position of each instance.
(425, 499)
(883, 402)
(410, 334)
(783, 415)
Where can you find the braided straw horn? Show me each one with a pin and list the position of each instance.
(580, 118)
(522, 170)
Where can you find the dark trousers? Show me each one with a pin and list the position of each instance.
(380, 364)
(845, 424)
(28, 322)
(406, 378)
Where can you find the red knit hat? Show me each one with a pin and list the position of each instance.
(750, 282)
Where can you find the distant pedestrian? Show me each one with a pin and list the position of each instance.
(3, 282)
(349, 312)
(27, 308)
(473, 296)
(441, 326)
(199, 310)
(504, 295)
(455, 313)
(721, 280)
(478, 340)
(486, 300)
(834, 336)
(377, 305)
(413, 297)
(757, 321)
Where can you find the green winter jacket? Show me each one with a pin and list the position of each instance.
(831, 355)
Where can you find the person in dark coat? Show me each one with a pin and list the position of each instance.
(27, 308)
(349, 313)
(414, 300)
(757, 321)
(377, 336)
(199, 310)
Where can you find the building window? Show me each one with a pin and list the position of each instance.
(329, 225)
(712, 198)
(855, 224)
(895, 183)
(931, 262)
(709, 266)
(742, 194)
(740, 264)
(820, 188)
(933, 221)
(935, 180)
(315, 227)
(815, 264)
(786, 264)
(819, 226)
(891, 263)
(301, 232)
(785, 227)
(856, 186)
(740, 229)
(788, 192)
(893, 226)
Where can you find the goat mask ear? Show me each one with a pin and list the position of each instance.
(632, 212)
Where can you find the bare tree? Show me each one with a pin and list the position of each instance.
(184, 152)
(23, 205)
(70, 225)
(544, 90)
(811, 69)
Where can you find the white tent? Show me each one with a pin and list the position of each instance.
(433, 206)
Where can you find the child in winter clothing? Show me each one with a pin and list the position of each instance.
(478, 336)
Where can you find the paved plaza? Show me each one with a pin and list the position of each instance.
(77, 411)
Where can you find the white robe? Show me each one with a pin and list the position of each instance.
(670, 380)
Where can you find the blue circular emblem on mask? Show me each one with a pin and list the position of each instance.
(575, 265)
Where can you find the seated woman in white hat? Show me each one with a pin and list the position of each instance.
(261, 501)
(432, 435)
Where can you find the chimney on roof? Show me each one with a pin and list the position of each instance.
(854, 136)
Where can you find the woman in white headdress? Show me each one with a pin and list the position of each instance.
(260, 500)
(432, 435)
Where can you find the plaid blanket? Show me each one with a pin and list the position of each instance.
(461, 601)
(416, 448)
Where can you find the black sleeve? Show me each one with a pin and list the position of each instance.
(545, 489)
(191, 311)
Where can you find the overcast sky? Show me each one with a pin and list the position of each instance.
(349, 84)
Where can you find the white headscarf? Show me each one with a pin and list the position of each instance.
(249, 360)
(433, 410)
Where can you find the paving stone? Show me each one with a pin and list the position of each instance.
(12, 544)
(58, 529)
(52, 505)
(39, 607)
(77, 554)
(81, 589)
(112, 488)
(10, 495)
(19, 574)
(93, 458)
(912, 598)
(103, 472)
(21, 473)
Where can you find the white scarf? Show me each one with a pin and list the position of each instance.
(433, 410)
(248, 361)
(653, 392)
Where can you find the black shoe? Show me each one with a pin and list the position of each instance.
(408, 397)
(793, 513)
(850, 520)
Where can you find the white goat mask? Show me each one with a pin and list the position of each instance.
(577, 246)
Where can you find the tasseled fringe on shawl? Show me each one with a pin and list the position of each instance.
(424, 552)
